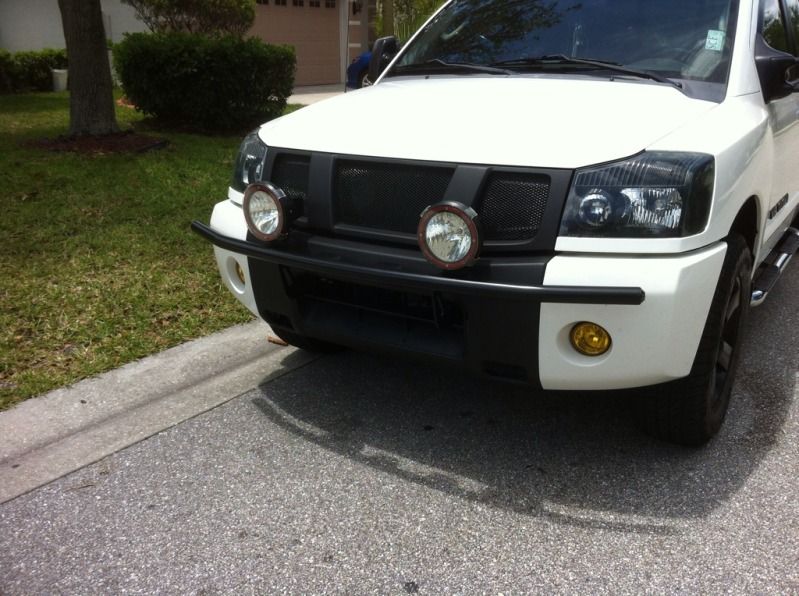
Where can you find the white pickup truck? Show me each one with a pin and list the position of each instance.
(575, 195)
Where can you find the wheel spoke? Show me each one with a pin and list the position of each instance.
(735, 302)
(725, 356)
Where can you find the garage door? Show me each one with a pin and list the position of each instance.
(312, 27)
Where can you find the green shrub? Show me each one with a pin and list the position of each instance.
(34, 68)
(223, 83)
(210, 17)
(29, 71)
(6, 69)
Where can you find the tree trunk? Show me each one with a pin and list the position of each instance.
(91, 98)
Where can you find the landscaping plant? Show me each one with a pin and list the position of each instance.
(208, 83)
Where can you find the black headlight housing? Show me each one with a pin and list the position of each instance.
(249, 162)
(655, 194)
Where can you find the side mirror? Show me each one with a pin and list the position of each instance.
(383, 52)
(774, 69)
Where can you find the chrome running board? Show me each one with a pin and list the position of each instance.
(775, 265)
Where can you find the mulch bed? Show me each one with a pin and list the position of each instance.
(123, 142)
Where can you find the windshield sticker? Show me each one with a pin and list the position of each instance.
(715, 40)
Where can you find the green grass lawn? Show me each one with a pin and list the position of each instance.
(98, 265)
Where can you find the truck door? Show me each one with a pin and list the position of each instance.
(779, 25)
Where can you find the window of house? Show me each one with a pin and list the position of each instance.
(330, 3)
(314, 3)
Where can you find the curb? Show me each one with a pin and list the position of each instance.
(46, 437)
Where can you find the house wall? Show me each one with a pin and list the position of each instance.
(326, 34)
(358, 28)
(36, 24)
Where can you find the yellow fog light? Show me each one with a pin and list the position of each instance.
(590, 339)
(240, 273)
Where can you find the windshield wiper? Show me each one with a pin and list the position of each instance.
(436, 65)
(559, 59)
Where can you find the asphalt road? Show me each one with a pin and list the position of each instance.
(359, 474)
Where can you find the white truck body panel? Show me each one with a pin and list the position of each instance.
(565, 122)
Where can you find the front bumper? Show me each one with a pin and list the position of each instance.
(324, 257)
(506, 317)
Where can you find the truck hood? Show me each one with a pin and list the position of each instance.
(515, 121)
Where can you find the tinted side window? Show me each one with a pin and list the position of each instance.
(793, 11)
(773, 25)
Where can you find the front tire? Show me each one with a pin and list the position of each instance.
(690, 411)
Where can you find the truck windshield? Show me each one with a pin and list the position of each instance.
(679, 40)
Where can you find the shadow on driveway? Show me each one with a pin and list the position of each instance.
(573, 458)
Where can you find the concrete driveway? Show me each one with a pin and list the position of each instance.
(309, 94)
(356, 474)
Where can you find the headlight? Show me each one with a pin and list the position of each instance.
(448, 235)
(655, 194)
(249, 162)
(265, 210)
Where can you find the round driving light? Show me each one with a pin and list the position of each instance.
(590, 339)
(595, 209)
(448, 235)
(264, 211)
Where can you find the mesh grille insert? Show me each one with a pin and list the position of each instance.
(386, 196)
(513, 205)
(390, 196)
(290, 173)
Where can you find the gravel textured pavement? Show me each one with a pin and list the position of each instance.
(360, 474)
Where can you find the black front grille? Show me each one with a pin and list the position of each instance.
(290, 173)
(513, 205)
(386, 196)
